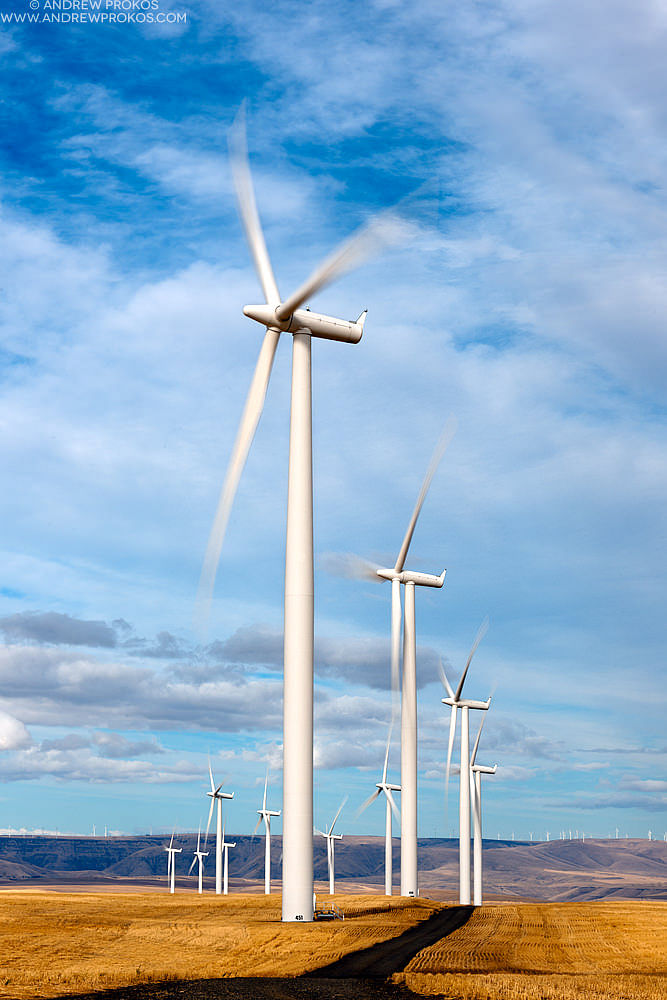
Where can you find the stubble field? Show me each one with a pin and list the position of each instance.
(55, 944)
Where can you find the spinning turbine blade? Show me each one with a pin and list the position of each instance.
(340, 809)
(210, 816)
(386, 756)
(257, 825)
(392, 803)
(210, 774)
(481, 632)
(369, 800)
(368, 240)
(450, 748)
(246, 432)
(238, 152)
(194, 862)
(440, 448)
(266, 783)
(443, 678)
(474, 751)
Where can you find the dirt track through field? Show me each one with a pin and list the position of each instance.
(384, 959)
(301, 988)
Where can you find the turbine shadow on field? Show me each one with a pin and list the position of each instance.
(382, 960)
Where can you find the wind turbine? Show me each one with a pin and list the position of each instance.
(476, 772)
(199, 856)
(171, 863)
(398, 575)
(225, 847)
(331, 837)
(390, 806)
(266, 814)
(287, 316)
(455, 701)
(217, 796)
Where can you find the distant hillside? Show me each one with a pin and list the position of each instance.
(559, 870)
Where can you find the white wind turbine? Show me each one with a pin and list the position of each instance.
(287, 316)
(331, 837)
(455, 701)
(476, 772)
(398, 575)
(390, 805)
(171, 863)
(226, 844)
(217, 796)
(199, 857)
(266, 814)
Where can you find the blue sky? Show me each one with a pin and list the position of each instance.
(527, 142)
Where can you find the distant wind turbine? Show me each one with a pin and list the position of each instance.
(199, 857)
(331, 837)
(455, 702)
(225, 847)
(476, 772)
(171, 863)
(390, 806)
(266, 814)
(217, 796)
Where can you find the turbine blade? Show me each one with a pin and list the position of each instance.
(249, 420)
(386, 756)
(199, 835)
(245, 194)
(368, 240)
(392, 803)
(257, 826)
(447, 434)
(171, 842)
(266, 784)
(396, 616)
(369, 800)
(210, 774)
(443, 678)
(481, 632)
(340, 809)
(210, 816)
(450, 748)
(474, 751)
(194, 862)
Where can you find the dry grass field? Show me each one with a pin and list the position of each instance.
(53, 944)
(549, 951)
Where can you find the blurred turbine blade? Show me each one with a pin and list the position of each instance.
(481, 632)
(392, 803)
(250, 418)
(443, 678)
(474, 751)
(450, 748)
(447, 434)
(210, 815)
(245, 194)
(349, 565)
(396, 616)
(266, 785)
(210, 774)
(340, 809)
(194, 862)
(257, 826)
(386, 756)
(381, 231)
(369, 800)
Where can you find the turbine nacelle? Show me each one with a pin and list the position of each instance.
(317, 324)
(408, 576)
(466, 703)
(483, 769)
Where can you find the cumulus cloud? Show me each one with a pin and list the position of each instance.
(58, 629)
(13, 734)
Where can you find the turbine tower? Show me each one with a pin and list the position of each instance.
(390, 805)
(398, 575)
(217, 796)
(266, 814)
(225, 847)
(171, 864)
(199, 857)
(476, 772)
(455, 701)
(331, 837)
(287, 316)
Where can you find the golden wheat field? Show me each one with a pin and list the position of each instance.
(57, 943)
(549, 951)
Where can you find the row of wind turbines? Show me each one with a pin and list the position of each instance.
(288, 316)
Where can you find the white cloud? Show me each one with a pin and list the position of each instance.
(13, 734)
